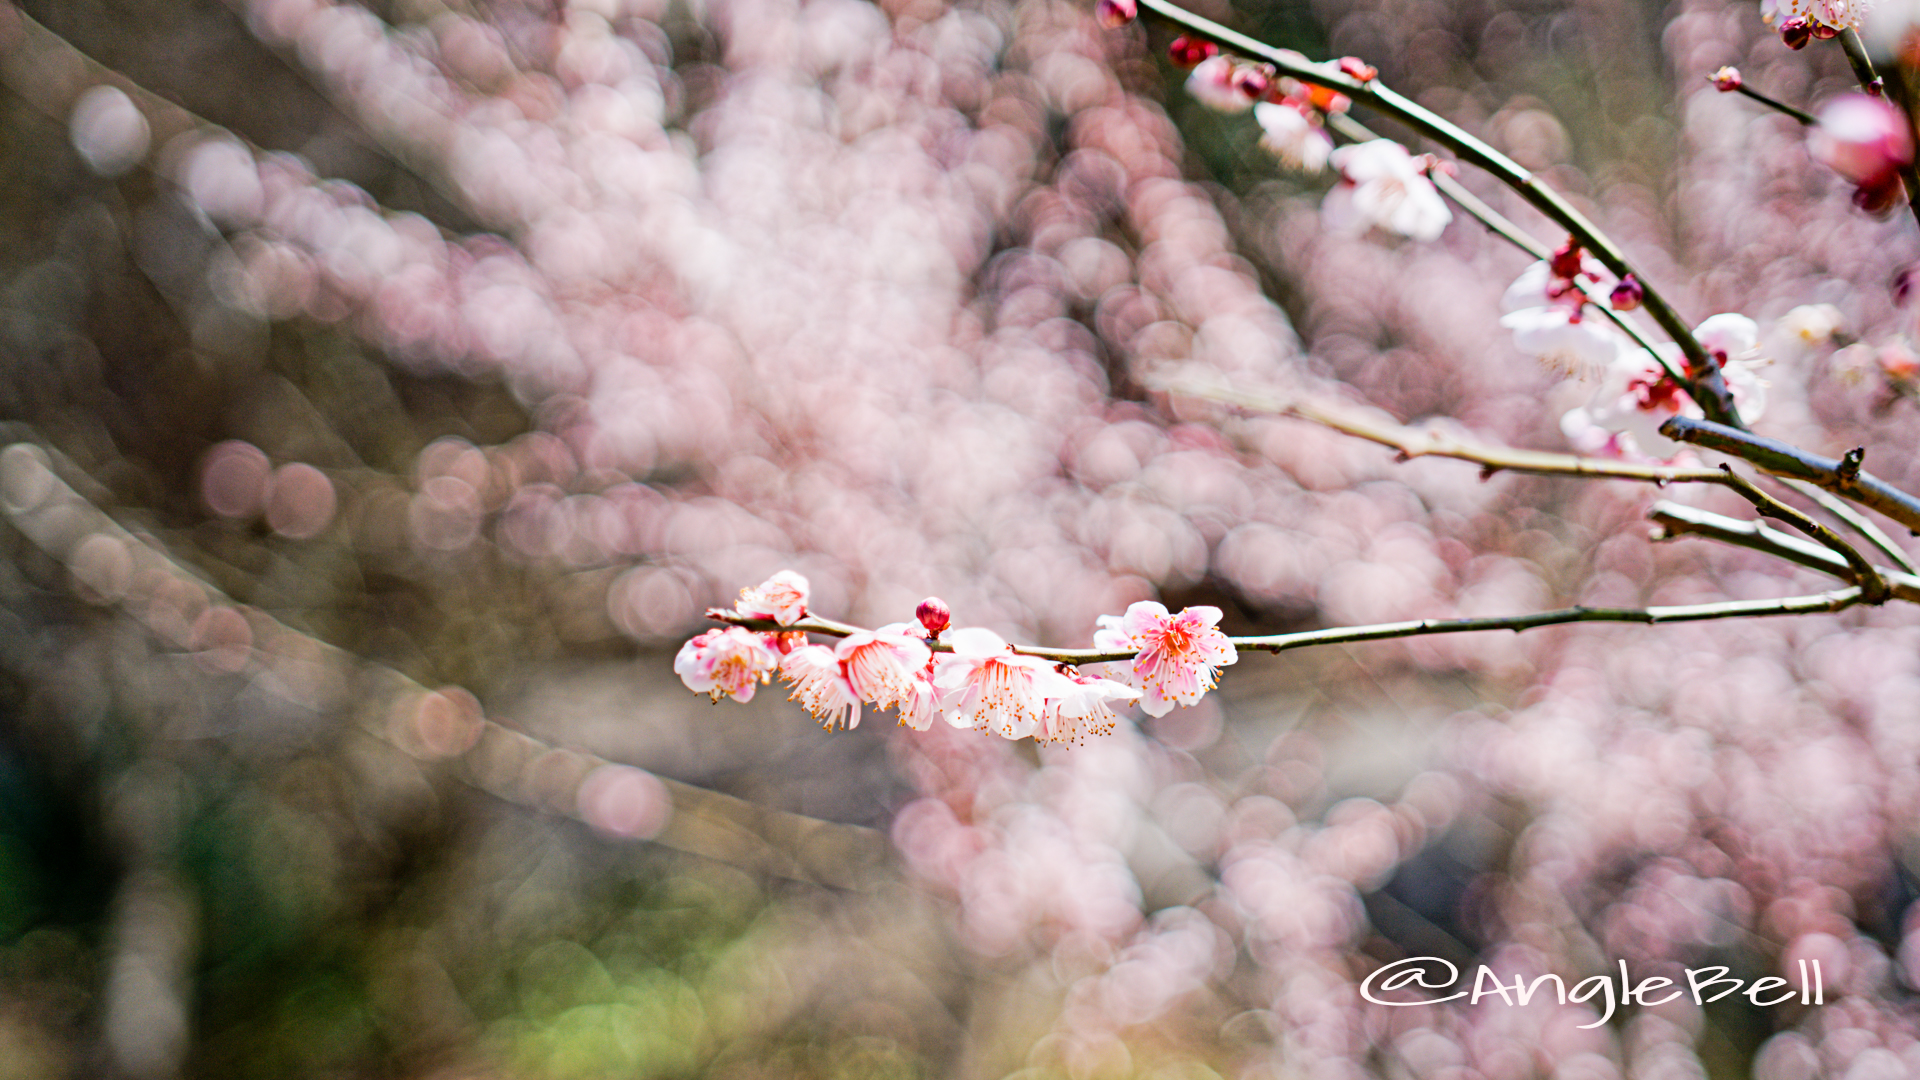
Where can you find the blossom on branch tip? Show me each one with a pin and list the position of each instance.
(1726, 80)
(1385, 186)
(725, 663)
(1293, 136)
(1178, 656)
(782, 598)
(991, 688)
(820, 684)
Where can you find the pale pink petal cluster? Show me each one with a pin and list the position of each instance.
(782, 598)
(1386, 187)
(726, 663)
(821, 686)
(992, 688)
(1291, 133)
(1179, 656)
(883, 665)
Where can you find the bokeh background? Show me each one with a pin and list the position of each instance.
(388, 389)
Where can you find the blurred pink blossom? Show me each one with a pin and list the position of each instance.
(725, 663)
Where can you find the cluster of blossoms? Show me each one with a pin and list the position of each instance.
(976, 680)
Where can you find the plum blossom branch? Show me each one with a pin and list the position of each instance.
(1831, 601)
(1705, 385)
(1842, 476)
(1505, 228)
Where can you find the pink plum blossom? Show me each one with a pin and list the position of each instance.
(782, 598)
(1385, 186)
(725, 663)
(1179, 655)
(820, 684)
(995, 689)
(882, 664)
(1292, 135)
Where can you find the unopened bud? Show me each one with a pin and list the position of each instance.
(1114, 14)
(1726, 80)
(1188, 52)
(1358, 70)
(934, 614)
(1628, 294)
(1796, 32)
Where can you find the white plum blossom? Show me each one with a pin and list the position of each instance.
(1083, 710)
(1293, 136)
(1637, 395)
(1549, 319)
(1384, 186)
(994, 689)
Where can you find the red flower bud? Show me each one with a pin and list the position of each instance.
(934, 614)
(1358, 70)
(1628, 294)
(1796, 32)
(1726, 79)
(1565, 262)
(1187, 52)
(1114, 14)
